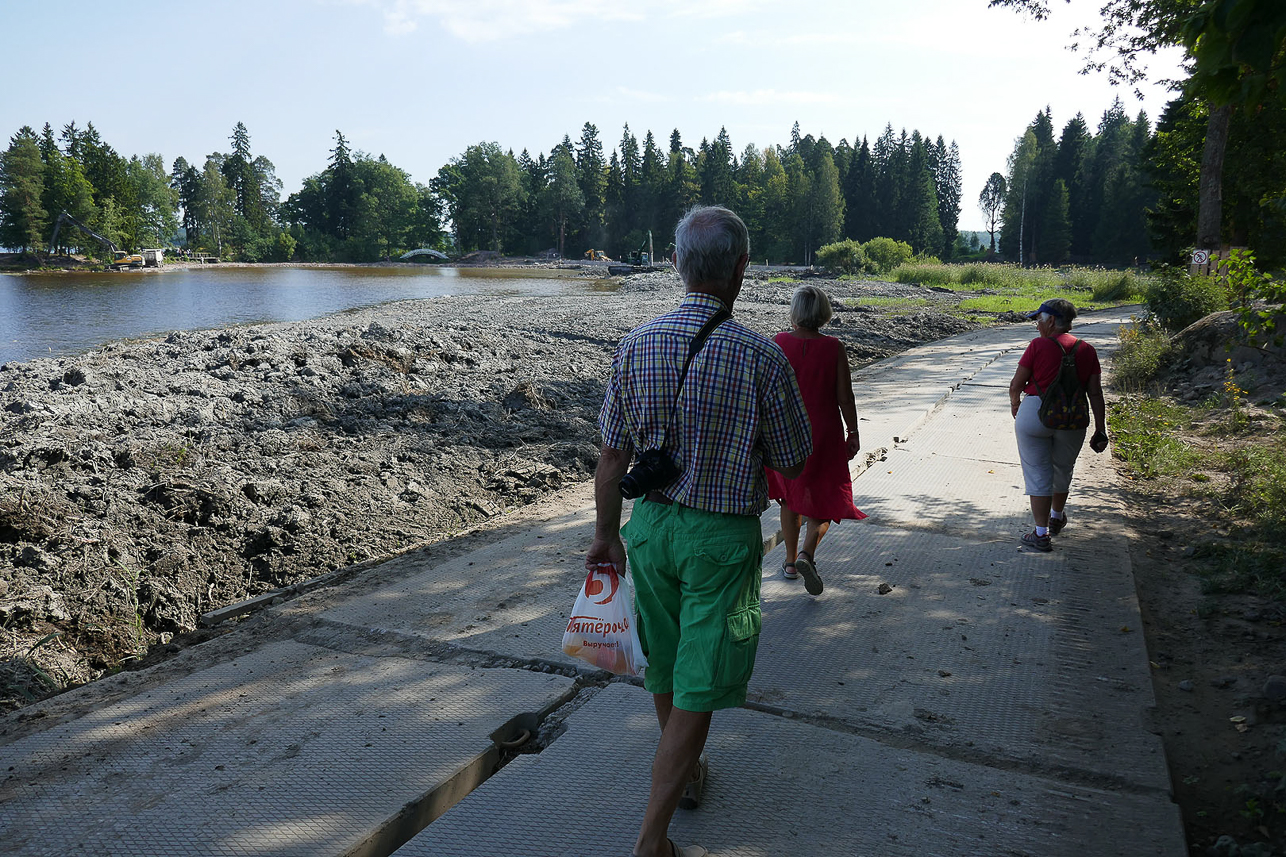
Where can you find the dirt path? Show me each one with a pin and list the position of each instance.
(146, 483)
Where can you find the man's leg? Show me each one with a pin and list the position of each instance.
(683, 737)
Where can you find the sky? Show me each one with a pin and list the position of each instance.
(421, 80)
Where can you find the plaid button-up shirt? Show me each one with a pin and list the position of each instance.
(740, 407)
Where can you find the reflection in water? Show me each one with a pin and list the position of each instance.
(59, 314)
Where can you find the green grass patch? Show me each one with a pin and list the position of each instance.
(1145, 350)
(1143, 436)
(1249, 566)
(1092, 288)
(890, 302)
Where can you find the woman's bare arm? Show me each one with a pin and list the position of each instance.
(847, 404)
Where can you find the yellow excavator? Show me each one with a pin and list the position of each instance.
(597, 256)
(120, 258)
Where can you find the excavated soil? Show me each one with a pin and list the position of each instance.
(146, 483)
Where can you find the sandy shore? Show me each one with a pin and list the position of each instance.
(145, 483)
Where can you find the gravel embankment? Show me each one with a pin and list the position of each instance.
(145, 483)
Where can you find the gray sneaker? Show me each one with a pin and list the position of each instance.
(1056, 524)
(1040, 543)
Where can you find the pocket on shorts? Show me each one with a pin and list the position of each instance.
(742, 643)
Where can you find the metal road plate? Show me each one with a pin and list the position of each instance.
(978, 646)
(289, 750)
(780, 786)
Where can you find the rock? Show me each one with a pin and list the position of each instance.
(1275, 688)
(1187, 686)
(39, 604)
(885, 589)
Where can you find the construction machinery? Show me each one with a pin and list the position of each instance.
(597, 256)
(643, 256)
(120, 258)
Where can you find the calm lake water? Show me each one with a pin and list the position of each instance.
(63, 314)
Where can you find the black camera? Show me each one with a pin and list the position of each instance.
(654, 469)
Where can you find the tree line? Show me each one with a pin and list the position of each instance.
(1122, 193)
(1127, 193)
(794, 198)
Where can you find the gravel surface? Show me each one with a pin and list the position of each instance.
(148, 482)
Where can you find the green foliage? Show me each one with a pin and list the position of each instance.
(1143, 432)
(1144, 352)
(886, 254)
(844, 257)
(929, 274)
(1246, 285)
(1178, 298)
(23, 218)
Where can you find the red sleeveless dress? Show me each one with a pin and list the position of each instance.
(824, 490)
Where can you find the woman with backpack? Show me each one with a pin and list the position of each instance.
(1061, 378)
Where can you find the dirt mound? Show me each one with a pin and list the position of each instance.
(146, 483)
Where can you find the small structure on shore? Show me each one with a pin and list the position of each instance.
(422, 253)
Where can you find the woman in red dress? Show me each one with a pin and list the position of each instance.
(824, 491)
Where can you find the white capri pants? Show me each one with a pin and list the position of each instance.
(1048, 455)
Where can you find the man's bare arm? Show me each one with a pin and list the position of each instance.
(606, 547)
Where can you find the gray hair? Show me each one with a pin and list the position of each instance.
(810, 308)
(1065, 309)
(707, 244)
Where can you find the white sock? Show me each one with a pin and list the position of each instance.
(1042, 531)
(1058, 516)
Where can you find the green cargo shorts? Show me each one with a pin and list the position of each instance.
(696, 589)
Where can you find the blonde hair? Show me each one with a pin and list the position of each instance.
(810, 308)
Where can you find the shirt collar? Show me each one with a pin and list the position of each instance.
(703, 299)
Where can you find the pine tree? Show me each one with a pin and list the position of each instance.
(947, 185)
(591, 176)
(1056, 227)
(23, 219)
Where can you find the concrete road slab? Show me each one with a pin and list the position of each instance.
(979, 647)
(289, 750)
(780, 786)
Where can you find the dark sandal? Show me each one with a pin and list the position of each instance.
(812, 580)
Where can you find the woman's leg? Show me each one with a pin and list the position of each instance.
(1040, 510)
(813, 535)
(790, 521)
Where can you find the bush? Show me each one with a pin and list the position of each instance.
(1116, 286)
(886, 254)
(844, 257)
(925, 273)
(1144, 351)
(1178, 298)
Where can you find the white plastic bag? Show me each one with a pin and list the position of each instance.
(602, 630)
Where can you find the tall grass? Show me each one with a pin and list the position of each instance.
(1096, 286)
(1145, 349)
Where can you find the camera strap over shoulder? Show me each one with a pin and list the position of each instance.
(698, 342)
(694, 348)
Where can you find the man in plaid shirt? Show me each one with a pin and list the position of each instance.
(695, 544)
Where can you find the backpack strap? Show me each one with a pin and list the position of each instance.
(1072, 351)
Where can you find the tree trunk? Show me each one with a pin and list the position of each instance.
(1210, 188)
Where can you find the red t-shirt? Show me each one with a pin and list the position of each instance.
(1043, 358)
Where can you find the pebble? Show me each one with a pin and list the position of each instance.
(1275, 688)
(1187, 686)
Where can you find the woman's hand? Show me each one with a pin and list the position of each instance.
(854, 444)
